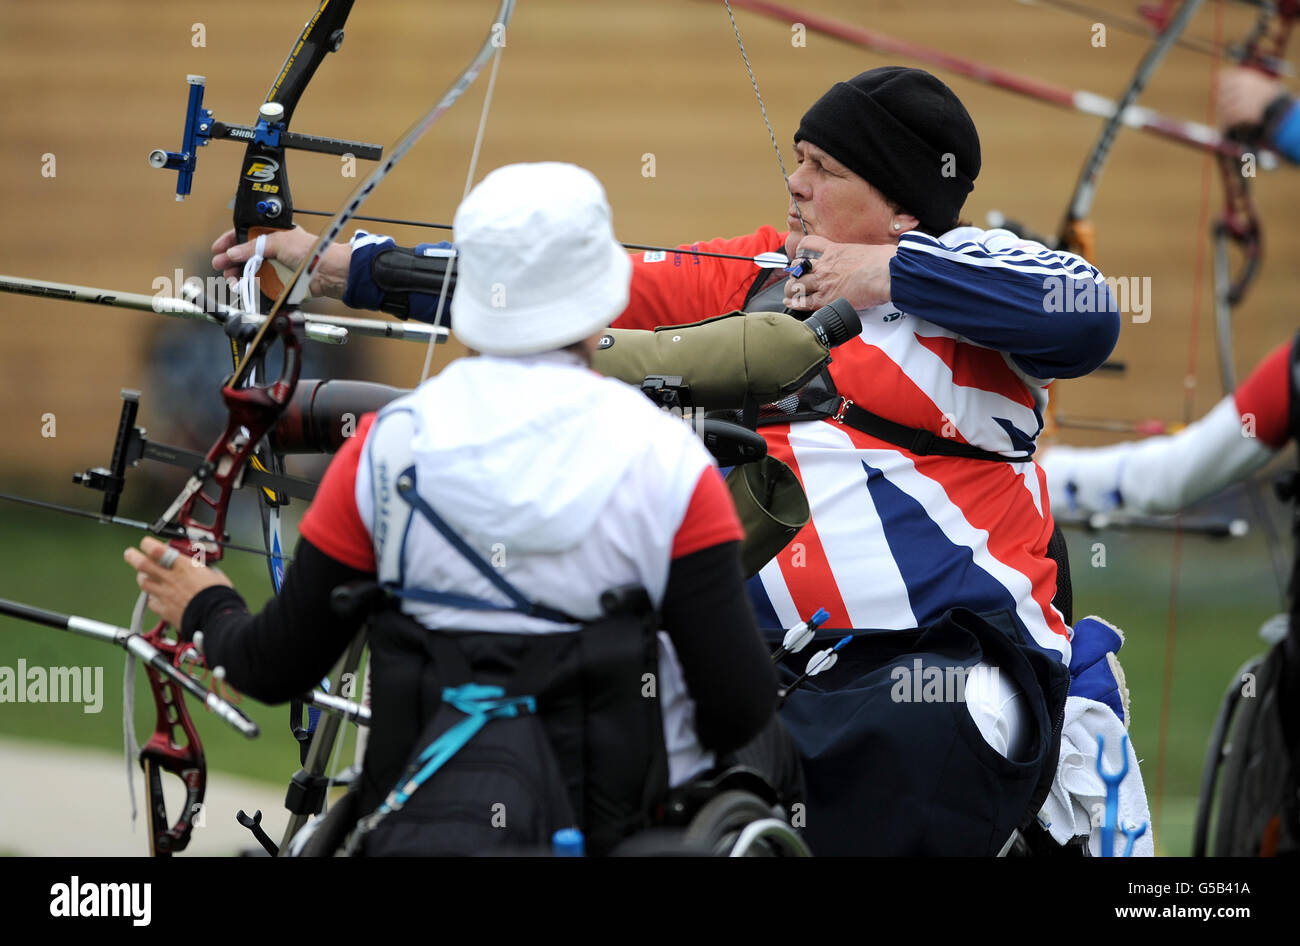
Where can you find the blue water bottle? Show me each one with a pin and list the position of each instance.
(568, 842)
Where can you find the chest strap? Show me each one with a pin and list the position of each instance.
(913, 439)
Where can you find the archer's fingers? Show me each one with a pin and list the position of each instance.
(150, 586)
(812, 246)
(231, 262)
(162, 609)
(150, 560)
(155, 605)
(240, 253)
(792, 293)
(801, 289)
(145, 570)
(800, 302)
(224, 242)
(222, 262)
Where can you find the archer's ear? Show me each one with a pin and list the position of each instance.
(903, 222)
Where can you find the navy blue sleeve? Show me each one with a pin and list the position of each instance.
(1287, 137)
(362, 291)
(1052, 312)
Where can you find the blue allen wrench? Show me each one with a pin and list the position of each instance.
(1112, 781)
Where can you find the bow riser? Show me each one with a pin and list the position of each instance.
(252, 413)
(175, 749)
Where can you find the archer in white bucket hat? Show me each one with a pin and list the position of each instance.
(539, 266)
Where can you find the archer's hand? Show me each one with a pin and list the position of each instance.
(1244, 94)
(290, 248)
(171, 589)
(858, 272)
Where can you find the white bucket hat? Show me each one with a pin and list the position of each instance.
(539, 267)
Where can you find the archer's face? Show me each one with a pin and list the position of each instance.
(837, 204)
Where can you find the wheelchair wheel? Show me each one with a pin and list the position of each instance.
(1216, 754)
(738, 824)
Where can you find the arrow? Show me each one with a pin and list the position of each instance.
(329, 329)
(762, 260)
(797, 638)
(819, 662)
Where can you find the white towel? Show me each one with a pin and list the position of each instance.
(1077, 802)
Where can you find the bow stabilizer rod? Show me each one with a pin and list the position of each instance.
(324, 329)
(136, 645)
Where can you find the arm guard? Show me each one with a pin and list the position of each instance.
(400, 272)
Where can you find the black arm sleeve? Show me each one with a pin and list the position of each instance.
(400, 272)
(291, 644)
(726, 664)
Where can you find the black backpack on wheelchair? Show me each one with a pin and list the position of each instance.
(488, 742)
(576, 741)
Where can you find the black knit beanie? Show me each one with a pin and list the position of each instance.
(906, 133)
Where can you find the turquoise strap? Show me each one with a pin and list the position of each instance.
(479, 704)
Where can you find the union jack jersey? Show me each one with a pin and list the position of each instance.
(965, 349)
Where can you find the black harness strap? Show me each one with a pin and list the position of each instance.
(920, 442)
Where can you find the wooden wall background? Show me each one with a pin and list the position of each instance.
(98, 84)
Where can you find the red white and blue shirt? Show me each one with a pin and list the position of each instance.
(966, 348)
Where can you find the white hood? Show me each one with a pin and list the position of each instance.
(509, 455)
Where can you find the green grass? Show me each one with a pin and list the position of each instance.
(1226, 591)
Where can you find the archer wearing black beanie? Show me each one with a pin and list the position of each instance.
(906, 134)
